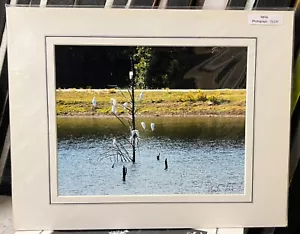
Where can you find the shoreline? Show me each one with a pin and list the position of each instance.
(225, 103)
(146, 90)
(153, 116)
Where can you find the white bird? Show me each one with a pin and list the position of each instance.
(135, 133)
(130, 75)
(94, 102)
(141, 96)
(114, 101)
(143, 125)
(114, 142)
(125, 105)
(134, 139)
(114, 110)
(152, 126)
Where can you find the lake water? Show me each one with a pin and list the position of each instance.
(206, 155)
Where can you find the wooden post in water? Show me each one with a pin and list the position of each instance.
(158, 157)
(124, 173)
(166, 164)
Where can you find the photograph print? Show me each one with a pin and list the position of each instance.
(150, 120)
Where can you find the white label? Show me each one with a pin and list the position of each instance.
(265, 19)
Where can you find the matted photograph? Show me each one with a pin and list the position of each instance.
(144, 120)
(158, 123)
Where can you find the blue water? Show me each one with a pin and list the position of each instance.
(205, 156)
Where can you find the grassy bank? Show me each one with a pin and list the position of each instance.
(168, 102)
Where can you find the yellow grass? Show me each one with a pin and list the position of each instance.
(167, 102)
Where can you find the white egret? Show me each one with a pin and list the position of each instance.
(114, 142)
(135, 133)
(114, 101)
(134, 137)
(125, 105)
(141, 96)
(130, 75)
(94, 102)
(152, 126)
(143, 125)
(114, 110)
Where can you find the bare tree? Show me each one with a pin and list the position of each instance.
(124, 149)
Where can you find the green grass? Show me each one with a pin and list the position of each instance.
(194, 102)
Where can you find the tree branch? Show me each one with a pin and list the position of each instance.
(120, 119)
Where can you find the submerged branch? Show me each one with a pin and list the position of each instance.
(105, 157)
(123, 149)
